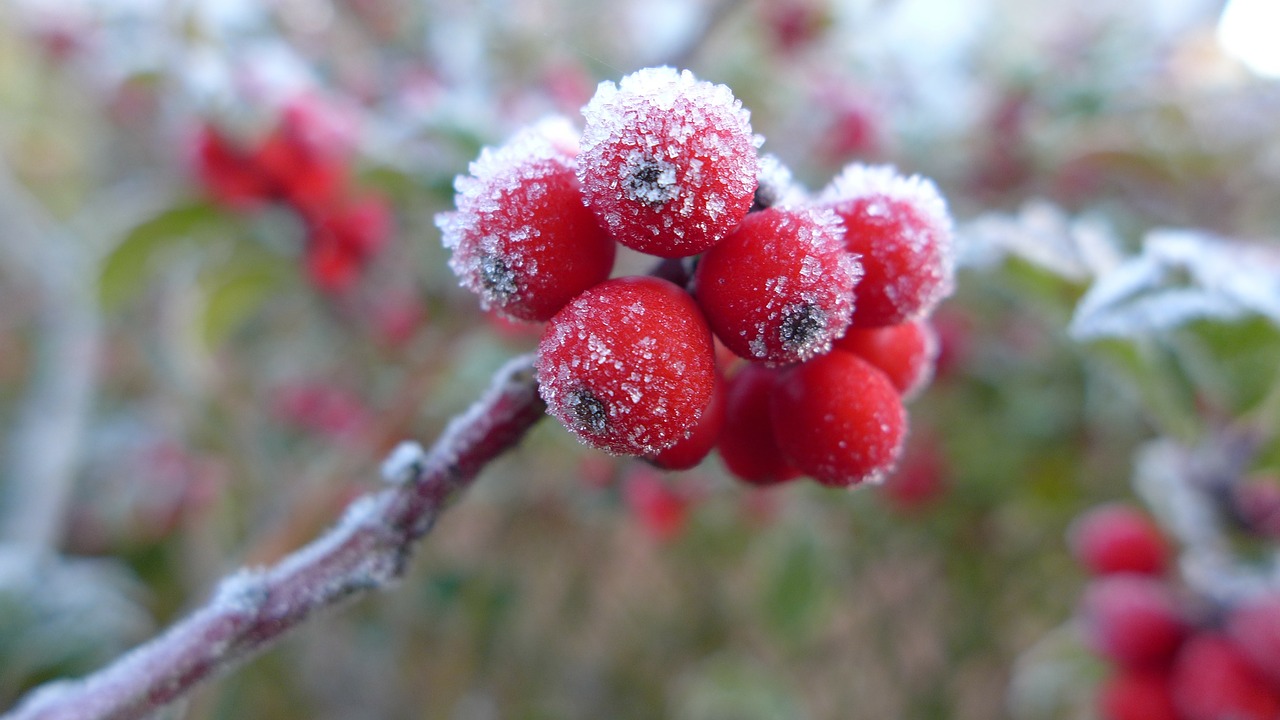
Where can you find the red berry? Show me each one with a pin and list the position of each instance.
(321, 408)
(660, 509)
(628, 366)
(691, 449)
(1134, 695)
(227, 172)
(307, 177)
(747, 443)
(1254, 626)
(521, 237)
(921, 477)
(839, 420)
(332, 266)
(668, 161)
(1212, 681)
(307, 156)
(1133, 620)
(779, 288)
(906, 352)
(901, 228)
(1119, 538)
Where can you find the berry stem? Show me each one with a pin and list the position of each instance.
(253, 608)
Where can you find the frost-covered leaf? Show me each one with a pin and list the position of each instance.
(1180, 276)
(1043, 235)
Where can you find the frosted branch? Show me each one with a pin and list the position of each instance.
(366, 550)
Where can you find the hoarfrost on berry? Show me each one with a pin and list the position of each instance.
(901, 229)
(521, 238)
(668, 161)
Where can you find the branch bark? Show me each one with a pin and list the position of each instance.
(366, 550)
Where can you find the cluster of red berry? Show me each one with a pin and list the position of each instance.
(827, 297)
(303, 164)
(1174, 656)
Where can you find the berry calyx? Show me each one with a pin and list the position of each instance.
(521, 238)
(779, 288)
(668, 161)
(628, 366)
(839, 420)
(902, 231)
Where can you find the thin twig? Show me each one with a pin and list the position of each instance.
(366, 550)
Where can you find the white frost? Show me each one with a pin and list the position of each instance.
(1043, 235)
(404, 463)
(1180, 276)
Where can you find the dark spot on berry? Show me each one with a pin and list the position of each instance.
(801, 325)
(589, 413)
(648, 179)
(647, 175)
(498, 279)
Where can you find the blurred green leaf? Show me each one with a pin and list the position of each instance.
(126, 266)
(1235, 361)
(1147, 367)
(233, 293)
(794, 591)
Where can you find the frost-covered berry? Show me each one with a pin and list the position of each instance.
(697, 444)
(901, 228)
(747, 443)
(1133, 620)
(1118, 538)
(668, 161)
(839, 420)
(780, 287)
(521, 238)
(628, 366)
(1212, 681)
(906, 352)
(660, 509)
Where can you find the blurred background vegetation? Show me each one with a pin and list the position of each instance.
(179, 397)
